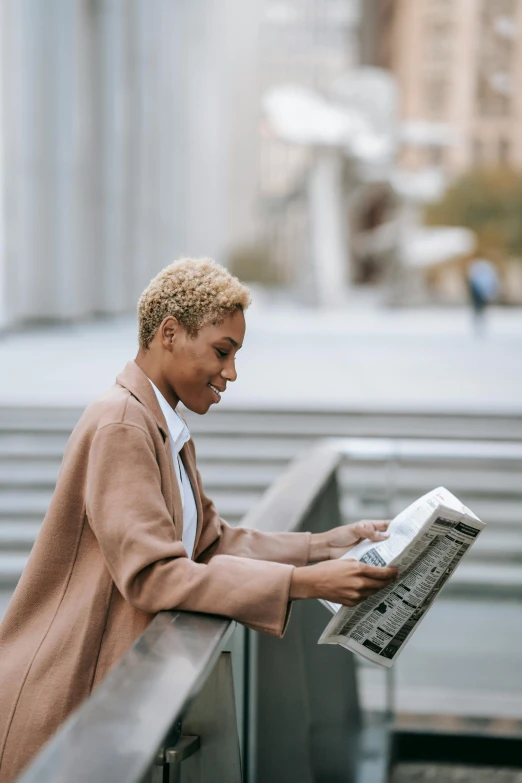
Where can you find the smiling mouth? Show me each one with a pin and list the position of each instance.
(215, 390)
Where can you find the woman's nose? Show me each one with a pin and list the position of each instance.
(229, 372)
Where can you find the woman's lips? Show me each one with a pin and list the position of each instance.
(215, 393)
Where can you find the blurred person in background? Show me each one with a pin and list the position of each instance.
(130, 531)
(483, 284)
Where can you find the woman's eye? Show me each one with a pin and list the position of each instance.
(222, 354)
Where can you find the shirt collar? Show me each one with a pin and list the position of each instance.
(178, 430)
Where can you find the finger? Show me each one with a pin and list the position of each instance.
(381, 524)
(373, 529)
(375, 524)
(378, 535)
(377, 572)
(375, 584)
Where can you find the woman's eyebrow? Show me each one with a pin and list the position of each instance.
(230, 340)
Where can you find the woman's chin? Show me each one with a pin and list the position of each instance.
(200, 407)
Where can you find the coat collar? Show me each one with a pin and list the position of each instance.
(134, 379)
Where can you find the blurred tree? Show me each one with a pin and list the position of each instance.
(253, 263)
(490, 203)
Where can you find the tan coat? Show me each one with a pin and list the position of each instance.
(109, 556)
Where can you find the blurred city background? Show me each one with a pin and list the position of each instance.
(359, 164)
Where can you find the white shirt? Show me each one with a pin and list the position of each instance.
(179, 435)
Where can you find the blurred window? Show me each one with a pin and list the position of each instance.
(436, 7)
(496, 57)
(491, 101)
(436, 96)
(385, 27)
(439, 39)
(504, 150)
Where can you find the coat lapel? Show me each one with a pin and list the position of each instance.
(134, 379)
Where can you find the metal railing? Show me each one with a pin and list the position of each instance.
(289, 706)
(199, 693)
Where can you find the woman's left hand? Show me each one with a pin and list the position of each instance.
(335, 542)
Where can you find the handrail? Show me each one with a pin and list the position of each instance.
(104, 740)
(425, 448)
(289, 498)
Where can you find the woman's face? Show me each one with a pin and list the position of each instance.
(198, 369)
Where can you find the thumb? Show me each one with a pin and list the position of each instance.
(370, 531)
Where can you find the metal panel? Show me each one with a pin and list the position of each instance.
(307, 710)
(114, 736)
(212, 716)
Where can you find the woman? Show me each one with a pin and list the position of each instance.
(130, 532)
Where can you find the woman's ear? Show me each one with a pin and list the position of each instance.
(168, 329)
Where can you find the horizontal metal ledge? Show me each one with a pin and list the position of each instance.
(111, 737)
(468, 748)
(426, 449)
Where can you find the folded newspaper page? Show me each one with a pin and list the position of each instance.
(427, 541)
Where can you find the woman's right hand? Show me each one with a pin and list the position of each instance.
(345, 581)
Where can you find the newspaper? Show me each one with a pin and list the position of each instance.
(427, 541)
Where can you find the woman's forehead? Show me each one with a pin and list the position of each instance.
(232, 329)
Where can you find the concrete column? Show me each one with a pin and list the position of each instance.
(45, 150)
(16, 184)
(243, 109)
(329, 245)
(3, 307)
(154, 108)
(217, 102)
(118, 153)
(200, 135)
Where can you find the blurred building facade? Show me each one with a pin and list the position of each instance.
(457, 62)
(131, 133)
(128, 138)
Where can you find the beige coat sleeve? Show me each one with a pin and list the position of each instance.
(127, 512)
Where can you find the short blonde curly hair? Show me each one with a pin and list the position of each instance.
(196, 291)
